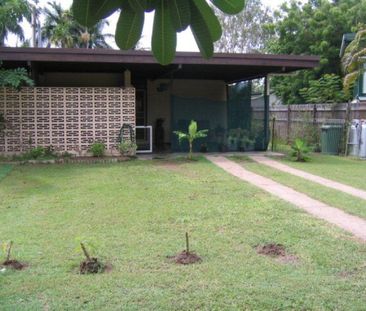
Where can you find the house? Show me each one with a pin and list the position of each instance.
(83, 96)
(360, 87)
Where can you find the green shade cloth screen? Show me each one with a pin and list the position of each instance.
(237, 124)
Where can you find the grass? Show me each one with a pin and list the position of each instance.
(136, 213)
(350, 171)
(324, 194)
(4, 170)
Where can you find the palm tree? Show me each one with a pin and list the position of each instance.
(61, 30)
(94, 38)
(12, 13)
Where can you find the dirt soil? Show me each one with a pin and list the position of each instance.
(91, 266)
(14, 264)
(186, 258)
(277, 251)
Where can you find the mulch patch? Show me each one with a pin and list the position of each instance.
(14, 264)
(91, 266)
(186, 258)
(277, 251)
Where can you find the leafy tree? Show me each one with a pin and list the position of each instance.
(248, 31)
(171, 16)
(314, 28)
(327, 89)
(62, 30)
(12, 13)
(353, 60)
(191, 136)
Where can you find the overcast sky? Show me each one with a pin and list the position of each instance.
(185, 40)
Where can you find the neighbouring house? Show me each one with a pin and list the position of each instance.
(84, 96)
(360, 87)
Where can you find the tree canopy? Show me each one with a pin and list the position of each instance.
(247, 31)
(314, 28)
(12, 13)
(171, 16)
(60, 29)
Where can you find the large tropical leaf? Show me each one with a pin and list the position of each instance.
(207, 14)
(89, 12)
(201, 33)
(180, 14)
(171, 16)
(129, 28)
(164, 37)
(192, 128)
(229, 6)
(138, 5)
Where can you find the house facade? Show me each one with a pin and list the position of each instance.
(84, 96)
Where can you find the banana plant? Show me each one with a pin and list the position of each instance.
(171, 16)
(191, 136)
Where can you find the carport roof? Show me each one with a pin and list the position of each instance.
(187, 65)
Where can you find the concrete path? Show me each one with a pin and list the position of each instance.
(314, 178)
(350, 223)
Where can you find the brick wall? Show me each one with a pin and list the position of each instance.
(69, 119)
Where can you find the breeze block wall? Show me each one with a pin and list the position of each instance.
(66, 118)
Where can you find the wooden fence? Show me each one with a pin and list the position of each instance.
(305, 121)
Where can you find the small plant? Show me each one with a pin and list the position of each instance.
(66, 155)
(90, 264)
(299, 150)
(97, 149)
(37, 152)
(191, 136)
(49, 152)
(12, 263)
(187, 256)
(127, 148)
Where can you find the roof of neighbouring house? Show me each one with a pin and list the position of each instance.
(186, 65)
(346, 40)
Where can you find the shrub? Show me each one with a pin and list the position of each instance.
(97, 149)
(49, 152)
(299, 151)
(37, 152)
(127, 148)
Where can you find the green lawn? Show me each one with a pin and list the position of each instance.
(348, 170)
(136, 213)
(348, 203)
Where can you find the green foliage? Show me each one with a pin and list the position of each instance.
(191, 136)
(327, 89)
(248, 31)
(299, 151)
(171, 16)
(353, 60)
(15, 78)
(97, 149)
(313, 28)
(12, 13)
(37, 152)
(60, 29)
(127, 148)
